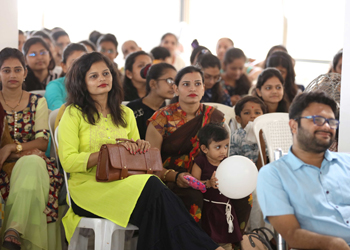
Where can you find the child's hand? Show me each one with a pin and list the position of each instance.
(213, 181)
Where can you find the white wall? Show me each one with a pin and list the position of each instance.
(344, 131)
(8, 24)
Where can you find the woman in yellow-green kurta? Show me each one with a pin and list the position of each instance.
(94, 117)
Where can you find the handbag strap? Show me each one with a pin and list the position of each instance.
(124, 171)
(148, 163)
(124, 140)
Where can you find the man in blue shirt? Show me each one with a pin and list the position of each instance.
(305, 195)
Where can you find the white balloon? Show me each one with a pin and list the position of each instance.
(237, 176)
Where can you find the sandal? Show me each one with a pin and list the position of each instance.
(10, 244)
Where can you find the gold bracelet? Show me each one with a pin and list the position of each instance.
(166, 172)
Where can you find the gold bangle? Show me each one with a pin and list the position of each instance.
(18, 147)
(166, 172)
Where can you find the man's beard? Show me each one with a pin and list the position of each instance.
(310, 143)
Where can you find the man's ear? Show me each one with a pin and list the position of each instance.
(293, 124)
(204, 149)
(239, 119)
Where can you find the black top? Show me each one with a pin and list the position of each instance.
(142, 113)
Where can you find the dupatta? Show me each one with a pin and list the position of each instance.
(182, 146)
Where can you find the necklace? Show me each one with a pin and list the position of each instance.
(13, 108)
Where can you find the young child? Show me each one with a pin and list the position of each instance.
(243, 140)
(223, 219)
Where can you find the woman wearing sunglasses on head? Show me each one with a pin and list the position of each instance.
(40, 64)
(159, 86)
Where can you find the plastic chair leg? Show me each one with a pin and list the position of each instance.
(74, 241)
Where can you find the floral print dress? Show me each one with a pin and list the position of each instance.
(27, 125)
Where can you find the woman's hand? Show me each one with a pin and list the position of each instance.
(5, 152)
(140, 146)
(34, 151)
(181, 181)
(143, 145)
(213, 181)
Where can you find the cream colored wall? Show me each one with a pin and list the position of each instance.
(8, 24)
(344, 129)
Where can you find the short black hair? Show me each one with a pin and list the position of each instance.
(160, 53)
(212, 132)
(108, 38)
(57, 34)
(169, 34)
(208, 60)
(89, 43)
(240, 104)
(302, 101)
(94, 36)
(70, 49)
(186, 70)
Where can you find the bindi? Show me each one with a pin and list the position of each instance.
(252, 107)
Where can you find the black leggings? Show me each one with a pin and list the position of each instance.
(163, 221)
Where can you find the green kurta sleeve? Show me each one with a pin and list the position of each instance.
(72, 159)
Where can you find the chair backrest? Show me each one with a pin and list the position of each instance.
(64, 172)
(229, 136)
(52, 119)
(276, 132)
(38, 92)
(229, 112)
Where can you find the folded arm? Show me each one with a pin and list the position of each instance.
(289, 228)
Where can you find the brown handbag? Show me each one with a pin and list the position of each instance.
(115, 162)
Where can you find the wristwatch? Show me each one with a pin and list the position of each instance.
(18, 147)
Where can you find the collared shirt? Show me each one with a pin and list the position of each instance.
(318, 197)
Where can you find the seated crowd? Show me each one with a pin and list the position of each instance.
(304, 195)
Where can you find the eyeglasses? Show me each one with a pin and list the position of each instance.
(320, 121)
(209, 77)
(34, 54)
(109, 51)
(169, 81)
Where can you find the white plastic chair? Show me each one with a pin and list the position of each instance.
(108, 235)
(281, 243)
(38, 92)
(229, 112)
(229, 136)
(276, 131)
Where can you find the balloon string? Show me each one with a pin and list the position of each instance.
(229, 216)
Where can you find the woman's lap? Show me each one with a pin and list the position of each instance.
(24, 210)
(163, 220)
